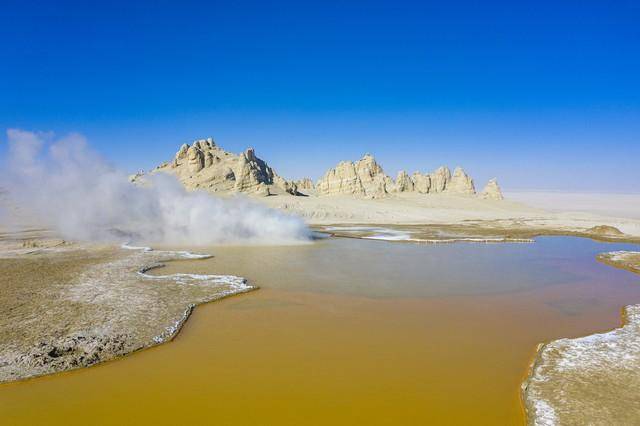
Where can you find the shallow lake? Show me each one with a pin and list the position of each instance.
(349, 331)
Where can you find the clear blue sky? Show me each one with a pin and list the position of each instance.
(541, 94)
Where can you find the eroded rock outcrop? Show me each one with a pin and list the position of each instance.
(439, 179)
(365, 177)
(342, 179)
(460, 183)
(305, 184)
(421, 182)
(492, 191)
(404, 182)
(204, 165)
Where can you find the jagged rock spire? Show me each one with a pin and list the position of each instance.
(204, 165)
(492, 191)
(461, 183)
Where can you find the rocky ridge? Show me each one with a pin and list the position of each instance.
(203, 165)
(305, 184)
(366, 178)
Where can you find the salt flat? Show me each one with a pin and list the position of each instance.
(625, 205)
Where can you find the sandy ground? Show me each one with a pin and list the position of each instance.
(413, 208)
(614, 205)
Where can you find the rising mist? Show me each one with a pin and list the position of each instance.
(68, 187)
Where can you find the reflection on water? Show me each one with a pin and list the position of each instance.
(348, 331)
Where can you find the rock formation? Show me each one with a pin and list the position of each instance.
(421, 182)
(492, 191)
(365, 177)
(204, 165)
(341, 180)
(404, 182)
(305, 184)
(439, 179)
(460, 183)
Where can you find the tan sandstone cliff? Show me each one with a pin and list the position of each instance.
(367, 178)
(204, 165)
(492, 191)
(404, 183)
(460, 183)
(305, 184)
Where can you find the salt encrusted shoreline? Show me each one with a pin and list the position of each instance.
(592, 379)
(115, 307)
(112, 308)
(394, 235)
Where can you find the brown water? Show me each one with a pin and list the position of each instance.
(350, 332)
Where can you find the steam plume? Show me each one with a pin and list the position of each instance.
(72, 190)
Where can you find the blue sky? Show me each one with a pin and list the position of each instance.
(543, 95)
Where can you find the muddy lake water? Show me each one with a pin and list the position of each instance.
(346, 331)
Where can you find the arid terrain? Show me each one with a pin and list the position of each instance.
(69, 305)
(72, 304)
